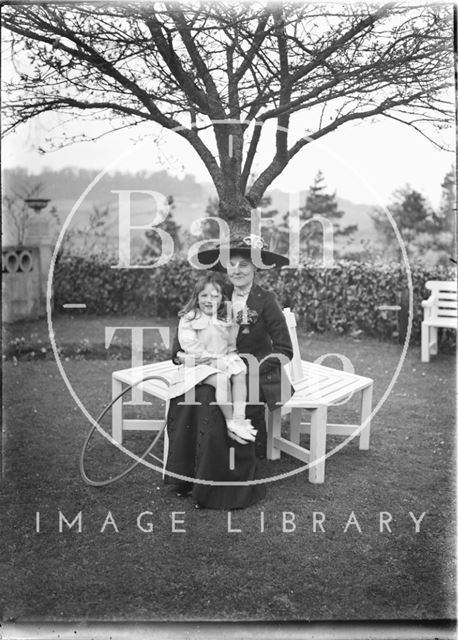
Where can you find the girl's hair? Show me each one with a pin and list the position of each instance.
(217, 281)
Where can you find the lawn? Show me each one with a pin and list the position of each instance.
(208, 573)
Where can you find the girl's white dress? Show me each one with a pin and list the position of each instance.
(203, 335)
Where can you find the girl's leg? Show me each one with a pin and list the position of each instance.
(239, 394)
(223, 393)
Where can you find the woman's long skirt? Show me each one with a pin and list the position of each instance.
(200, 449)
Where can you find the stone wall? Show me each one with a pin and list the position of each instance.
(21, 278)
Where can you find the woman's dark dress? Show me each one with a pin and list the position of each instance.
(199, 448)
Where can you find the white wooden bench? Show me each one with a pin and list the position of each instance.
(316, 388)
(439, 311)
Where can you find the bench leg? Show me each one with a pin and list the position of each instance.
(166, 453)
(424, 342)
(116, 411)
(433, 349)
(273, 431)
(318, 444)
(366, 408)
(166, 441)
(295, 426)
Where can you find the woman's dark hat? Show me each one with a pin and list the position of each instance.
(250, 246)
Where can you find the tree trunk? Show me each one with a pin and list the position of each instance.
(234, 206)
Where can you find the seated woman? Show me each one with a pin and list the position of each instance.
(199, 446)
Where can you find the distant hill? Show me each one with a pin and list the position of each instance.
(66, 186)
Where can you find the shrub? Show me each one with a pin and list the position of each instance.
(343, 299)
(157, 291)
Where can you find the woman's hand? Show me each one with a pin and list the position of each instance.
(193, 360)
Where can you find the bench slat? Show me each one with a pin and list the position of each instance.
(309, 368)
(441, 323)
(327, 395)
(441, 285)
(142, 425)
(343, 387)
(446, 310)
(130, 376)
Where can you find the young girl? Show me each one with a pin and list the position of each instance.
(208, 340)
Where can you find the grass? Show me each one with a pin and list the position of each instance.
(80, 335)
(208, 573)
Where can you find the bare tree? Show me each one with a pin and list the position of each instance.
(90, 237)
(16, 213)
(231, 68)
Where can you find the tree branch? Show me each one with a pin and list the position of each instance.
(339, 42)
(171, 59)
(103, 66)
(285, 86)
(276, 166)
(214, 100)
(248, 57)
(422, 133)
(251, 154)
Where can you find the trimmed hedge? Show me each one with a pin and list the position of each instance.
(343, 299)
(159, 292)
(346, 298)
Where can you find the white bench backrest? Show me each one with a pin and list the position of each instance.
(444, 298)
(295, 367)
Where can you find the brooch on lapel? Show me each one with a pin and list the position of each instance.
(245, 317)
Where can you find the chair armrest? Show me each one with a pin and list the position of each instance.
(431, 301)
(428, 306)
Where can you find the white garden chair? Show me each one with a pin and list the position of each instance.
(439, 311)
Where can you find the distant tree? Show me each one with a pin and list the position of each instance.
(153, 247)
(422, 230)
(276, 227)
(89, 238)
(271, 225)
(447, 207)
(208, 227)
(320, 202)
(276, 230)
(444, 239)
(364, 250)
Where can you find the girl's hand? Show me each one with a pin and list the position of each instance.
(192, 360)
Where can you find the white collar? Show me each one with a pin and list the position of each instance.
(202, 321)
(236, 296)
